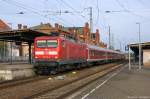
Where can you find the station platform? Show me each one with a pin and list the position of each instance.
(15, 71)
(134, 84)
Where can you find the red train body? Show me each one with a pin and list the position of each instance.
(53, 54)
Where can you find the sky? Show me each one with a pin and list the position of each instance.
(120, 15)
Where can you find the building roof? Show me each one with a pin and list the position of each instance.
(44, 28)
(4, 26)
(79, 30)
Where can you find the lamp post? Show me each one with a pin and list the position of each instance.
(109, 38)
(139, 26)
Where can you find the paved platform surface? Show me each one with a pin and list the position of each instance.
(134, 84)
(8, 66)
(15, 71)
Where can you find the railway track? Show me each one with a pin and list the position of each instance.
(71, 87)
(17, 82)
(44, 87)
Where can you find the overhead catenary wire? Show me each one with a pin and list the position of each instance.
(146, 18)
(27, 6)
(63, 20)
(30, 9)
(69, 6)
(75, 12)
(129, 11)
(23, 7)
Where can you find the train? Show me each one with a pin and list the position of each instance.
(53, 54)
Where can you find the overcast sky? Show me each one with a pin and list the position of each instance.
(122, 16)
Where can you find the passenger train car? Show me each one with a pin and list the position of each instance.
(56, 54)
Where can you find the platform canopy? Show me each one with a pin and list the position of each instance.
(135, 47)
(23, 35)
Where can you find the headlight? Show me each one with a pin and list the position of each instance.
(52, 52)
(39, 53)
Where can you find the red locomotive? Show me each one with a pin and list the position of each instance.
(55, 53)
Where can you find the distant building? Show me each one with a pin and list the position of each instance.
(4, 26)
(45, 28)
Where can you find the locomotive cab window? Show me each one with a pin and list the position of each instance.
(41, 43)
(52, 43)
(63, 43)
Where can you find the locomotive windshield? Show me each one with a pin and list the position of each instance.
(51, 43)
(41, 43)
(46, 43)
